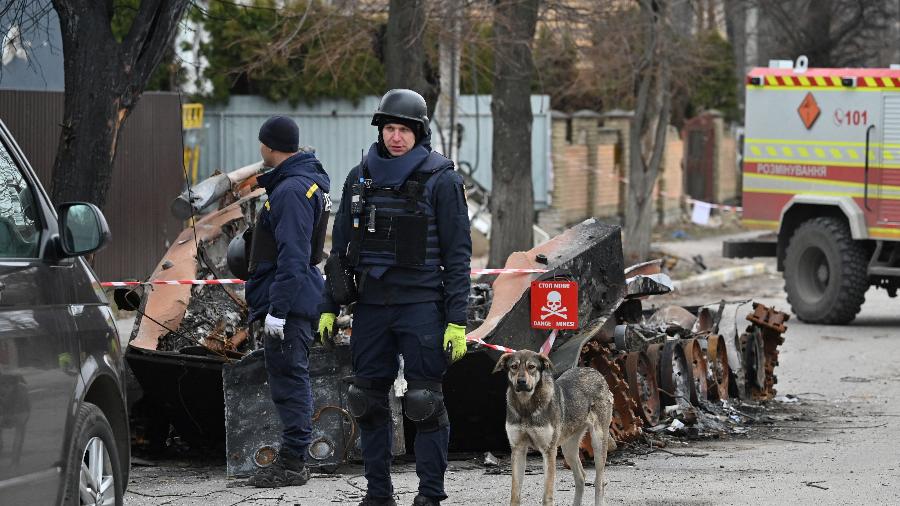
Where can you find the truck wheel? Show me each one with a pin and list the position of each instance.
(825, 272)
(94, 475)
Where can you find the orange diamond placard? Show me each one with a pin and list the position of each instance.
(809, 110)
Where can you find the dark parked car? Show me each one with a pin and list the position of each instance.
(63, 422)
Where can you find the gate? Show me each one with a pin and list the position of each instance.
(699, 158)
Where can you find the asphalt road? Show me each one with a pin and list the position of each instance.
(838, 445)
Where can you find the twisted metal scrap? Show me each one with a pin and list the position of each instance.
(625, 425)
(769, 323)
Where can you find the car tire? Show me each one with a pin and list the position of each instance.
(825, 272)
(93, 454)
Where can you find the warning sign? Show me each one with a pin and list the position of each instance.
(809, 110)
(554, 305)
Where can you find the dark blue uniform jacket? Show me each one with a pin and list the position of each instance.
(400, 285)
(290, 285)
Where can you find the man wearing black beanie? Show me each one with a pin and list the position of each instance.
(285, 286)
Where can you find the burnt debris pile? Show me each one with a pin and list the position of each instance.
(672, 370)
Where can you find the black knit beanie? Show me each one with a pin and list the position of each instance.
(281, 134)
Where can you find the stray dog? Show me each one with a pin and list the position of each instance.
(543, 414)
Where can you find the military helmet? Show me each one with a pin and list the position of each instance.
(402, 104)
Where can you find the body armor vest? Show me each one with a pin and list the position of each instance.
(396, 226)
(263, 247)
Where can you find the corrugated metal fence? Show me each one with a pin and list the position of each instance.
(340, 130)
(146, 178)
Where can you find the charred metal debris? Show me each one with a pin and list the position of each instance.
(681, 371)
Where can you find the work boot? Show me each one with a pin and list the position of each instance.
(422, 500)
(284, 472)
(369, 500)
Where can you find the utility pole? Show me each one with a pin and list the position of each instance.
(449, 57)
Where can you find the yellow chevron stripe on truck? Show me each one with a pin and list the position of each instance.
(841, 154)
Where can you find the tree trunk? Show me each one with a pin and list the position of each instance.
(638, 216)
(448, 61)
(104, 80)
(512, 198)
(405, 64)
(736, 28)
(645, 153)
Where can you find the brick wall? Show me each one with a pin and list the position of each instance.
(589, 164)
(570, 183)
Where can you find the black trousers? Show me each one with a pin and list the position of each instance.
(380, 334)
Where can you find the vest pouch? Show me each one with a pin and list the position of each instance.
(410, 239)
(340, 281)
(262, 246)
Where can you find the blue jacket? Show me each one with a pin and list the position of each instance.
(290, 285)
(400, 285)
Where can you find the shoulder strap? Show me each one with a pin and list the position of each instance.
(414, 188)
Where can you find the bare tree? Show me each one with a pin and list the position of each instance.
(736, 28)
(104, 80)
(405, 63)
(652, 101)
(832, 33)
(512, 202)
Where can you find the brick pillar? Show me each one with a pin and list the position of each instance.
(553, 219)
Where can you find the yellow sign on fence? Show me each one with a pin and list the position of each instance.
(192, 116)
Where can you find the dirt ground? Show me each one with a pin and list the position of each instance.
(834, 442)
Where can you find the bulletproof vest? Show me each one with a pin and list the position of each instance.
(396, 226)
(263, 247)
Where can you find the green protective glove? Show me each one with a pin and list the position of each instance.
(326, 326)
(455, 341)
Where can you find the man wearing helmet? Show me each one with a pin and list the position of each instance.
(402, 234)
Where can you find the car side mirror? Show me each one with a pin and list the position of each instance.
(82, 228)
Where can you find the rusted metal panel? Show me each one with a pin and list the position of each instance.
(146, 174)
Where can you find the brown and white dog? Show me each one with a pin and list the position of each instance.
(543, 414)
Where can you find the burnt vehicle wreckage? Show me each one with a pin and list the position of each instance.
(671, 369)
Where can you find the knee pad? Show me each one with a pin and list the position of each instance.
(368, 406)
(425, 407)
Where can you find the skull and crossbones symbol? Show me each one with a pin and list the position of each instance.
(554, 306)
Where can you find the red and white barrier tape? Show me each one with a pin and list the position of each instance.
(497, 347)
(545, 348)
(475, 272)
(175, 282)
